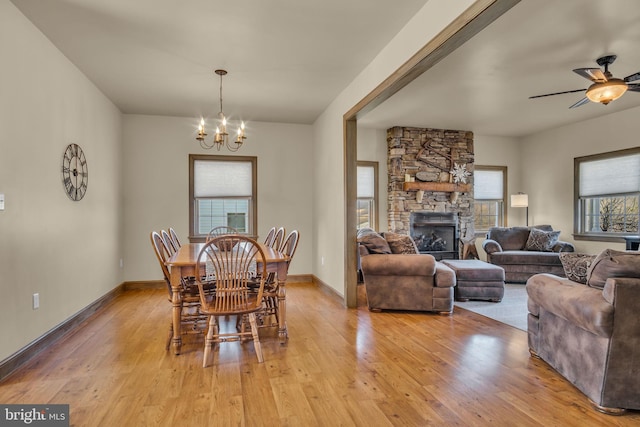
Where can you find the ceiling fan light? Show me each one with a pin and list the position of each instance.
(607, 91)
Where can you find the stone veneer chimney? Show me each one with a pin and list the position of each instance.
(427, 156)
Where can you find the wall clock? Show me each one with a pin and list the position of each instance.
(75, 174)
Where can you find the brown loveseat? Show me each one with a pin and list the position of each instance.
(397, 277)
(590, 332)
(525, 251)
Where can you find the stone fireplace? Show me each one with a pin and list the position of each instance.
(431, 172)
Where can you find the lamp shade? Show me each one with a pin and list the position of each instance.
(520, 200)
(607, 91)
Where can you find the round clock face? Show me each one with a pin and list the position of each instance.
(75, 174)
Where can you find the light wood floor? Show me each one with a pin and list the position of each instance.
(340, 367)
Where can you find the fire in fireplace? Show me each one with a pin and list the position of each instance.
(435, 233)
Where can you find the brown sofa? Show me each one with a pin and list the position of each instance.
(590, 333)
(396, 277)
(525, 251)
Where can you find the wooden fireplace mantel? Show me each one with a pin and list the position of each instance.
(447, 187)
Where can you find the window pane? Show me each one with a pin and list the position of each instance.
(364, 210)
(212, 213)
(611, 214)
(487, 214)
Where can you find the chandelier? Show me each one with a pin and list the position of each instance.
(221, 137)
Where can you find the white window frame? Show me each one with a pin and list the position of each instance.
(497, 199)
(601, 180)
(194, 234)
(370, 198)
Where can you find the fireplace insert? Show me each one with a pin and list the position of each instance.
(435, 233)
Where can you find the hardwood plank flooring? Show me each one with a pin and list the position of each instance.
(340, 367)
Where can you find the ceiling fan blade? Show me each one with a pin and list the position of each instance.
(594, 74)
(632, 77)
(557, 93)
(634, 87)
(583, 101)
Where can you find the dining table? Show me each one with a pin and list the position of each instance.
(183, 264)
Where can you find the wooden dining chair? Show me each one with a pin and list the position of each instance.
(234, 261)
(221, 231)
(174, 238)
(166, 238)
(268, 241)
(270, 294)
(278, 239)
(192, 320)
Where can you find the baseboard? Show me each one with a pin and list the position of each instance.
(300, 278)
(144, 284)
(329, 290)
(25, 354)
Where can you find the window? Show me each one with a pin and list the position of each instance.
(222, 191)
(489, 192)
(367, 194)
(607, 195)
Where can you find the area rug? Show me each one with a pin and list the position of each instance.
(512, 310)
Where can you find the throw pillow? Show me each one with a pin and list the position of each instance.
(542, 241)
(374, 242)
(576, 266)
(400, 243)
(611, 263)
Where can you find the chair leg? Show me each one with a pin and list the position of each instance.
(256, 339)
(208, 343)
(166, 347)
(243, 326)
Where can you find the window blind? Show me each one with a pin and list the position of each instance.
(487, 185)
(366, 182)
(221, 178)
(616, 175)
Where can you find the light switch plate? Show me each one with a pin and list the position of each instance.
(1, 202)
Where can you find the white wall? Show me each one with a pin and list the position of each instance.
(549, 168)
(329, 205)
(66, 251)
(156, 190)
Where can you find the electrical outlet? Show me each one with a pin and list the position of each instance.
(36, 301)
(121, 263)
(321, 260)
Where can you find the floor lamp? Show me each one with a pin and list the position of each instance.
(521, 200)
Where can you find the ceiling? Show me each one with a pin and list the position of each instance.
(288, 59)
(532, 49)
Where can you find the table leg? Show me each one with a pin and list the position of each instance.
(176, 300)
(282, 303)
(282, 312)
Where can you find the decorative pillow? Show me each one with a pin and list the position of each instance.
(542, 241)
(400, 243)
(611, 263)
(374, 242)
(576, 265)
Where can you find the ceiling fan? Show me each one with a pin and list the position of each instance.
(605, 87)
